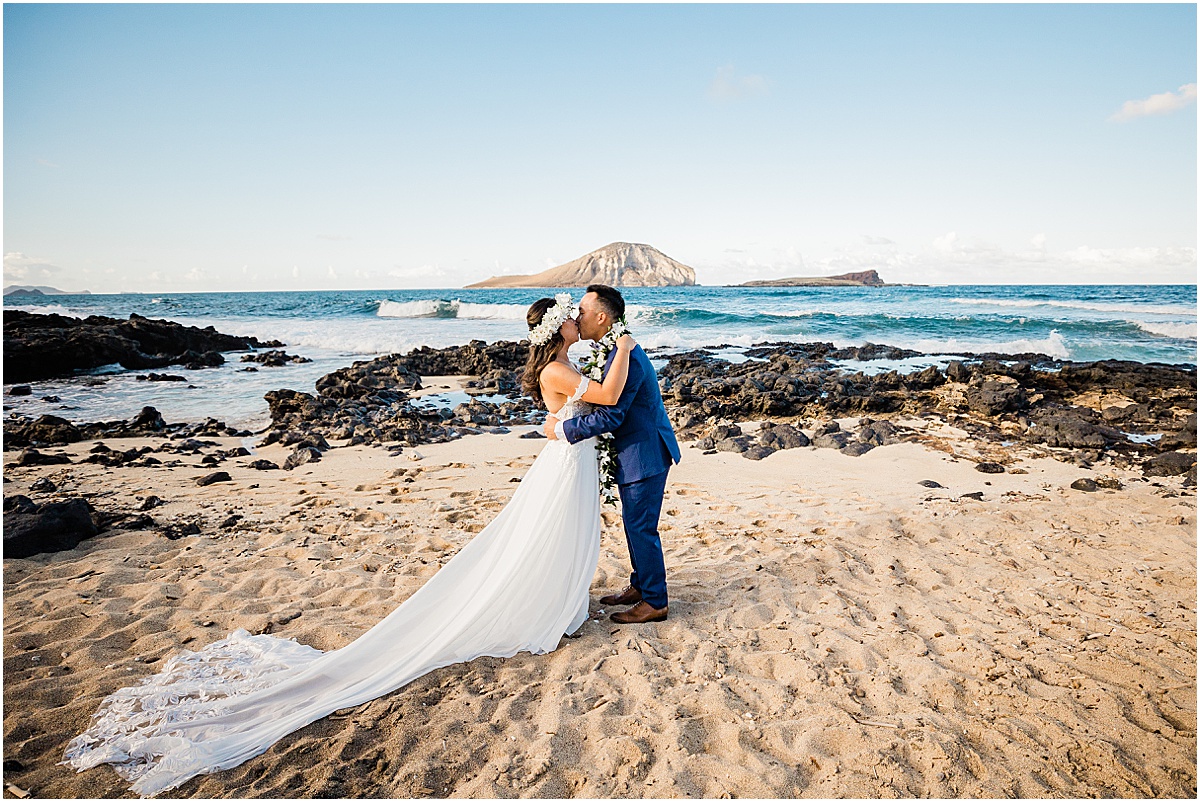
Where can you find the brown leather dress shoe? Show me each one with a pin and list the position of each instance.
(640, 613)
(630, 595)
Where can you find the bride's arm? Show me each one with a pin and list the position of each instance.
(607, 392)
(562, 379)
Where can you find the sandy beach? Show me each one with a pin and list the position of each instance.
(837, 628)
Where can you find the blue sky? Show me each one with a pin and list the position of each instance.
(236, 147)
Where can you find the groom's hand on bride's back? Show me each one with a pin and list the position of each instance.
(548, 428)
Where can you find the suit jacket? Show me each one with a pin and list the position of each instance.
(638, 422)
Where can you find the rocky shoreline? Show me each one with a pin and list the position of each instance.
(38, 347)
(784, 396)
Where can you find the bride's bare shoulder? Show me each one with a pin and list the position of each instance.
(556, 374)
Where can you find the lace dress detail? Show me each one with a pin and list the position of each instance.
(574, 407)
(518, 585)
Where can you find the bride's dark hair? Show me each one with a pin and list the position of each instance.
(539, 355)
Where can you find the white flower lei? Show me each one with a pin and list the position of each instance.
(606, 449)
(552, 321)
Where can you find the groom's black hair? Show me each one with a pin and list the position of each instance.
(610, 299)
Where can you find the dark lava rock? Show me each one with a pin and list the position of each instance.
(758, 452)
(992, 397)
(47, 346)
(148, 419)
(160, 377)
(19, 503)
(1085, 484)
(856, 449)
(177, 530)
(213, 478)
(1184, 438)
(56, 526)
(286, 405)
(926, 379)
(832, 440)
(151, 502)
(958, 372)
(782, 436)
(735, 444)
(976, 496)
(114, 459)
(1109, 483)
(229, 522)
(51, 399)
(533, 435)
(51, 430)
(43, 485)
(878, 433)
(928, 483)
(828, 427)
(989, 467)
(311, 439)
(34, 457)
(302, 455)
(1067, 430)
(275, 358)
(21, 389)
(47, 429)
(264, 465)
(1172, 463)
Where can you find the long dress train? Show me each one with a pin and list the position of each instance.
(519, 585)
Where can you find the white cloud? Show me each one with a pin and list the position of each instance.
(869, 240)
(46, 163)
(195, 274)
(945, 243)
(729, 85)
(22, 269)
(295, 271)
(1164, 103)
(332, 272)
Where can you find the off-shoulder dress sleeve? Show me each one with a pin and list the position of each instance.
(584, 382)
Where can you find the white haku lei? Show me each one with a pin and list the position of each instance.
(552, 321)
(606, 449)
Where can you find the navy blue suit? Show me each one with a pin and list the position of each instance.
(646, 449)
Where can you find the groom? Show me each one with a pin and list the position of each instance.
(646, 449)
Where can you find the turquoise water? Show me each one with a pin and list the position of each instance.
(1145, 323)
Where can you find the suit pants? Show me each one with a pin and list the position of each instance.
(641, 503)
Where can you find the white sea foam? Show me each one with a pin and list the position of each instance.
(1146, 309)
(470, 311)
(1053, 345)
(425, 308)
(50, 309)
(451, 308)
(1178, 331)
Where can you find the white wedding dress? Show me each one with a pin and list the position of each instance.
(519, 585)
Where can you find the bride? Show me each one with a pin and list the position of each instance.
(519, 585)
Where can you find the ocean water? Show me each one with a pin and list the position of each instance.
(1145, 323)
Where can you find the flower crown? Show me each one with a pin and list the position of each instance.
(543, 332)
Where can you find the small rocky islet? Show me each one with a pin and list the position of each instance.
(785, 395)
